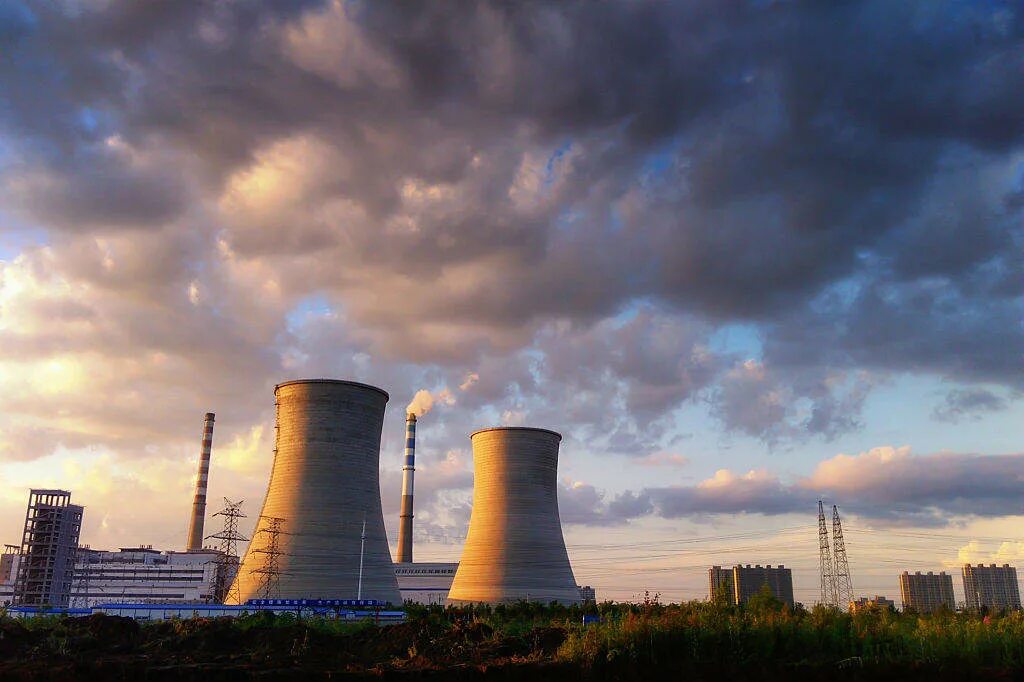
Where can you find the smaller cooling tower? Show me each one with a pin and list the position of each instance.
(325, 492)
(514, 550)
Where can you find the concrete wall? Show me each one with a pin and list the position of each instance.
(514, 549)
(324, 482)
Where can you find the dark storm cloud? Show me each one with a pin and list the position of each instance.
(968, 403)
(495, 187)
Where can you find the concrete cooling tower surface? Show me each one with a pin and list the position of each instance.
(324, 483)
(514, 549)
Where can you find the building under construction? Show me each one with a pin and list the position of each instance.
(514, 549)
(321, 531)
(48, 547)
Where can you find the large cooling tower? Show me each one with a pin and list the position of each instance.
(324, 485)
(514, 550)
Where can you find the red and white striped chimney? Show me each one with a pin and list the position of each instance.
(408, 471)
(195, 526)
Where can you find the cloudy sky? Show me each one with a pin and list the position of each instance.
(743, 254)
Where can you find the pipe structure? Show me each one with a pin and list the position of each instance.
(514, 549)
(408, 472)
(198, 520)
(325, 480)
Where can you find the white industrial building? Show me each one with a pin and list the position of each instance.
(425, 582)
(143, 575)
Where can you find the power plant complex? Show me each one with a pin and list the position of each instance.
(320, 541)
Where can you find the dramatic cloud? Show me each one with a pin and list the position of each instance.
(887, 484)
(555, 212)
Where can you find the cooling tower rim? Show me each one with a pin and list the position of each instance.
(516, 428)
(345, 382)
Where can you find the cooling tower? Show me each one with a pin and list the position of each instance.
(324, 484)
(514, 550)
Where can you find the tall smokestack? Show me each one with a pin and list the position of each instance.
(195, 526)
(408, 471)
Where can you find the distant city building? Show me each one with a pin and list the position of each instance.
(588, 595)
(720, 583)
(927, 592)
(741, 583)
(425, 582)
(876, 603)
(144, 575)
(991, 587)
(48, 546)
(748, 581)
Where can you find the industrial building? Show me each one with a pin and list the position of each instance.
(876, 603)
(514, 549)
(425, 582)
(144, 575)
(321, 530)
(991, 587)
(927, 592)
(743, 582)
(48, 545)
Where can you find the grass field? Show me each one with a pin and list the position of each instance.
(701, 640)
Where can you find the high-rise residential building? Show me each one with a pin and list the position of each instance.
(927, 592)
(740, 583)
(48, 547)
(143, 575)
(720, 583)
(991, 587)
(588, 595)
(749, 580)
(876, 603)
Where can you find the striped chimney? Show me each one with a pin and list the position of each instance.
(408, 471)
(195, 525)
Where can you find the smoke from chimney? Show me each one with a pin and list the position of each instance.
(195, 526)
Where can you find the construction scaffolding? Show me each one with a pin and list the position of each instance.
(49, 545)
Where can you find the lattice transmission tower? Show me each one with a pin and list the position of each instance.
(271, 569)
(844, 585)
(225, 586)
(828, 583)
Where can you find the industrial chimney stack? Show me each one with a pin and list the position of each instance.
(408, 472)
(195, 526)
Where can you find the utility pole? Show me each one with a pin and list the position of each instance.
(828, 585)
(362, 547)
(271, 570)
(225, 586)
(844, 585)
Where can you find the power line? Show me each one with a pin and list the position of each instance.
(225, 586)
(271, 569)
(844, 585)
